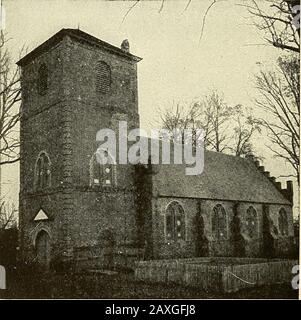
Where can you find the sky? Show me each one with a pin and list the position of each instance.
(176, 65)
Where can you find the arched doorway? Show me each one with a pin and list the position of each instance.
(43, 249)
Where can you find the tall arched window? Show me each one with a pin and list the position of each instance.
(42, 171)
(219, 223)
(175, 221)
(251, 222)
(42, 79)
(103, 174)
(103, 77)
(282, 222)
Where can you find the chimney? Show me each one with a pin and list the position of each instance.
(289, 190)
(125, 45)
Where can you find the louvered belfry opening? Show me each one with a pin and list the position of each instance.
(103, 77)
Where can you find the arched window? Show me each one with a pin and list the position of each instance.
(175, 221)
(42, 79)
(103, 77)
(282, 222)
(219, 223)
(42, 171)
(251, 222)
(103, 174)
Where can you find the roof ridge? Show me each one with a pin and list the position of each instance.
(80, 35)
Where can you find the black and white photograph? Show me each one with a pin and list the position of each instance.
(149, 149)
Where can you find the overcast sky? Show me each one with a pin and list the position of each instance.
(175, 65)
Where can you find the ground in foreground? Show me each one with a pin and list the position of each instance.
(122, 286)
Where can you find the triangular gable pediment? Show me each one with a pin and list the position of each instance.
(41, 215)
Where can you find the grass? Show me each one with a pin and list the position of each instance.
(121, 286)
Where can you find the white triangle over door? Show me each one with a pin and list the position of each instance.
(41, 216)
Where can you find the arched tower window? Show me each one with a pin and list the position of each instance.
(219, 223)
(283, 222)
(251, 222)
(42, 79)
(175, 221)
(103, 174)
(42, 171)
(103, 77)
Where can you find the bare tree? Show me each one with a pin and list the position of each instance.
(245, 126)
(279, 23)
(225, 129)
(280, 98)
(216, 122)
(10, 96)
(8, 216)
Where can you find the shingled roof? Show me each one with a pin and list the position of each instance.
(225, 177)
(78, 35)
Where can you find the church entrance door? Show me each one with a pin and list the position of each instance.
(43, 249)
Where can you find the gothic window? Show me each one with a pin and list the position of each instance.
(219, 223)
(42, 172)
(282, 222)
(251, 222)
(42, 79)
(102, 174)
(103, 77)
(175, 222)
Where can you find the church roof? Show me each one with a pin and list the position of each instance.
(225, 177)
(78, 35)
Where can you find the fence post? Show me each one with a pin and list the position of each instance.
(2, 278)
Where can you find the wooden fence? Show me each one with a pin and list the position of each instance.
(216, 274)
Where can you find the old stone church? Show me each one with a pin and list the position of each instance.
(76, 211)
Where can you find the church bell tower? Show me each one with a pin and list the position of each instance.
(73, 85)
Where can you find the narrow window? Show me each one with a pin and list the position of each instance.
(103, 77)
(219, 223)
(175, 222)
(42, 172)
(169, 224)
(251, 222)
(39, 172)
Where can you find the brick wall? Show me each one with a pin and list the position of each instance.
(41, 130)
(64, 123)
(196, 239)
